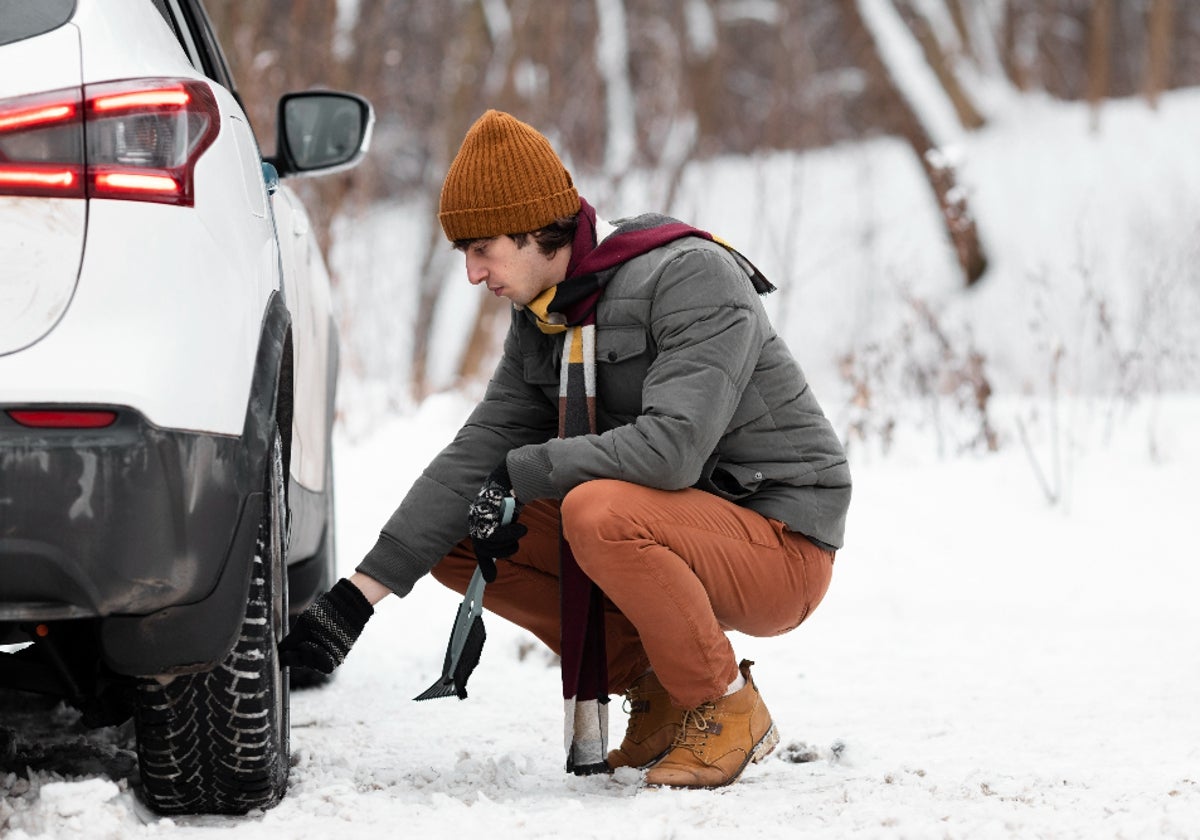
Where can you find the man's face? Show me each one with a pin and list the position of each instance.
(510, 271)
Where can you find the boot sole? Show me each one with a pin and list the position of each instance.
(762, 749)
(766, 746)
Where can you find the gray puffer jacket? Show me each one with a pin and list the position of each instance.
(694, 389)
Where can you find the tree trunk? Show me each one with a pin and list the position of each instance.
(1160, 24)
(962, 27)
(1099, 65)
(1020, 48)
(952, 201)
(480, 354)
(464, 65)
(612, 63)
(942, 64)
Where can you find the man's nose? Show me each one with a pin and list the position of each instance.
(476, 273)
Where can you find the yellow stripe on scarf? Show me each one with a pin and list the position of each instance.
(551, 323)
(576, 357)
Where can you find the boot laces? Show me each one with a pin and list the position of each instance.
(696, 726)
(635, 702)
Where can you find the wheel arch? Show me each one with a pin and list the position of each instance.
(272, 394)
(192, 637)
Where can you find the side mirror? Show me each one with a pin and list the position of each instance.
(321, 131)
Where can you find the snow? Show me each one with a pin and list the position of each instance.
(986, 664)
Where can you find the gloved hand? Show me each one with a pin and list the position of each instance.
(491, 537)
(323, 633)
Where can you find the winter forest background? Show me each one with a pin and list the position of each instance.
(959, 199)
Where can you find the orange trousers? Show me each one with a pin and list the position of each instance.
(678, 568)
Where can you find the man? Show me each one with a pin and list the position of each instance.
(674, 476)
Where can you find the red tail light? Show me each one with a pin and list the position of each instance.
(62, 419)
(41, 145)
(138, 139)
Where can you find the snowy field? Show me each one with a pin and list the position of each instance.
(985, 665)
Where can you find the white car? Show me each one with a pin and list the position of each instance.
(168, 365)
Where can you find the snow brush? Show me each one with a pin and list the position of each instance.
(467, 635)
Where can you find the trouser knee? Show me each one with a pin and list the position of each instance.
(591, 506)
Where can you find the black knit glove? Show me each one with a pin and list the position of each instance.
(491, 537)
(323, 633)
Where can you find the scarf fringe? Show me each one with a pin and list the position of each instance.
(585, 735)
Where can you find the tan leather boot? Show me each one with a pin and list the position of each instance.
(653, 723)
(718, 739)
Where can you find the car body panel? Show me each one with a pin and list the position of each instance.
(149, 47)
(306, 287)
(40, 255)
(103, 350)
(44, 62)
(43, 242)
(155, 503)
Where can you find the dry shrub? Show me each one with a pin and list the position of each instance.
(924, 374)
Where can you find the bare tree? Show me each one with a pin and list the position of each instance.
(956, 215)
(962, 26)
(941, 52)
(1099, 61)
(1160, 23)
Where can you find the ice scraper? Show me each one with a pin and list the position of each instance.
(466, 636)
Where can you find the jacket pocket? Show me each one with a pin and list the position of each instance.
(623, 356)
(619, 344)
(539, 359)
(735, 481)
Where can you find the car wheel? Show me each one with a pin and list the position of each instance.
(217, 742)
(326, 558)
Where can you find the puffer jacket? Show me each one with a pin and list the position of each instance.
(693, 388)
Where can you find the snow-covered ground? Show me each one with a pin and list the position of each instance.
(985, 665)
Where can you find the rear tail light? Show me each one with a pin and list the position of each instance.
(138, 139)
(62, 419)
(41, 145)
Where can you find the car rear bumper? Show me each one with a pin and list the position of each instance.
(129, 523)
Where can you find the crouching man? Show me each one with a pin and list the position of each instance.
(673, 474)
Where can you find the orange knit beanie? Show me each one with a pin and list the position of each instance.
(505, 179)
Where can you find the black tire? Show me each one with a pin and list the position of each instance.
(217, 742)
(326, 559)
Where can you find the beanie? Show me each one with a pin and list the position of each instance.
(505, 179)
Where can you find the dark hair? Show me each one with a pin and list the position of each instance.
(549, 239)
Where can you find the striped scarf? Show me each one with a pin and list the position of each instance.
(570, 307)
